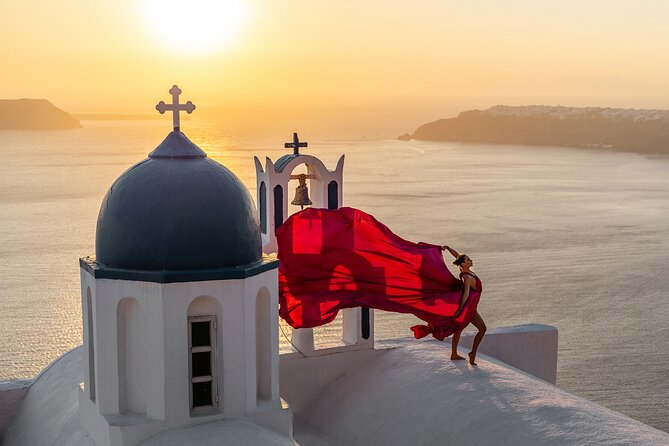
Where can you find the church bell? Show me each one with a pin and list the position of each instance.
(302, 193)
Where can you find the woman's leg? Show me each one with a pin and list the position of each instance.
(477, 321)
(454, 345)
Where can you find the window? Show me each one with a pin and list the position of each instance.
(262, 204)
(366, 326)
(278, 207)
(202, 362)
(333, 195)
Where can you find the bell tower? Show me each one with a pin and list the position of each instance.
(324, 190)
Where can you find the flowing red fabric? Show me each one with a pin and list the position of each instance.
(344, 258)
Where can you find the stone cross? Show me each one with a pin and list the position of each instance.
(175, 107)
(296, 144)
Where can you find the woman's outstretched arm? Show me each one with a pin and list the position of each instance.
(453, 252)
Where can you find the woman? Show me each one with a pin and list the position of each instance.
(471, 292)
(342, 258)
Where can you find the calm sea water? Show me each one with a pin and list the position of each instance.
(573, 238)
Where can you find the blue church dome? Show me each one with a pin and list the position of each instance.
(177, 210)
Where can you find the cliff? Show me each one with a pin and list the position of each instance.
(645, 131)
(34, 114)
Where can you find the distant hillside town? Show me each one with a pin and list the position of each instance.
(644, 131)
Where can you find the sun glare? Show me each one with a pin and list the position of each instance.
(195, 26)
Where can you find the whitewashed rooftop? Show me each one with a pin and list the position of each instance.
(404, 392)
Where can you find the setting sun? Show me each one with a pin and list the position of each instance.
(196, 26)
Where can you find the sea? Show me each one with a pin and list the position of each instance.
(574, 238)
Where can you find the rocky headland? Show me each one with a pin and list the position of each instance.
(34, 114)
(644, 131)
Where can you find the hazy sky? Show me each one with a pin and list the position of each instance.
(109, 56)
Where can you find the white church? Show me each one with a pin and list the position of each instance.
(181, 337)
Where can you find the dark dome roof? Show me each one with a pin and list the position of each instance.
(177, 210)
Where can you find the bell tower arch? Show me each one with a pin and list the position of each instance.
(324, 189)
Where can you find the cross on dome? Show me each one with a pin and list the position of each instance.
(296, 144)
(175, 106)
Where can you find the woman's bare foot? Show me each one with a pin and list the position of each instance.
(456, 357)
(472, 357)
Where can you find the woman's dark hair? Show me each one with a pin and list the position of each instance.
(460, 260)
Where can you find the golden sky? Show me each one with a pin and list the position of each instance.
(106, 56)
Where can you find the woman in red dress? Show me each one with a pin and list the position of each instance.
(345, 258)
(471, 293)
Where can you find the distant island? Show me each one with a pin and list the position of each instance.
(644, 131)
(116, 117)
(34, 114)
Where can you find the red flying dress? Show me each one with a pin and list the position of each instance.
(344, 258)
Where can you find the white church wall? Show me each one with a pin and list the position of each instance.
(263, 364)
(132, 350)
(127, 346)
(351, 336)
(262, 178)
(272, 285)
(176, 303)
(269, 411)
(87, 318)
(205, 310)
(235, 338)
(88, 330)
(532, 348)
(352, 333)
(142, 351)
(264, 287)
(157, 326)
(106, 336)
(304, 378)
(234, 346)
(181, 301)
(90, 415)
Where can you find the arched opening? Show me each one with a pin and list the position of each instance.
(333, 195)
(334, 333)
(203, 318)
(278, 207)
(91, 344)
(262, 204)
(131, 333)
(365, 323)
(314, 190)
(263, 346)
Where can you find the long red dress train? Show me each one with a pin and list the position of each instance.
(344, 258)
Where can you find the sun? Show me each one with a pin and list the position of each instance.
(195, 26)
